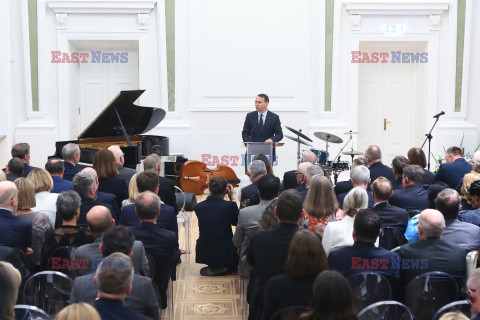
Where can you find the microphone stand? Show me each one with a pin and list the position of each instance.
(429, 137)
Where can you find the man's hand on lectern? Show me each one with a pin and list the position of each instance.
(269, 140)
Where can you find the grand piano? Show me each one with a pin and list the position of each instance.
(122, 123)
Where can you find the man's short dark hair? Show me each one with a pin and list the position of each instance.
(448, 203)
(16, 166)
(20, 150)
(474, 188)
(264, 96)
(456, 151)
(289, 206)
(67, 204)
(54, 166)
(398, 163)
(147, 181)
(268, 187)
(217, 186)
(414, 173)
(117, 239)
(433, 191)
(367, 225)
(147, 205)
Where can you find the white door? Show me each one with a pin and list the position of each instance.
(390, 103)
(99, 83)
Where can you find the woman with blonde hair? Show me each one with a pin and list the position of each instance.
(41, 225)
(467, 199)
(44, 199)
(321, 205)
(10, 280)
(132, 191)
(78, 311)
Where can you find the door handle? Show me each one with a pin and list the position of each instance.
(385, 122)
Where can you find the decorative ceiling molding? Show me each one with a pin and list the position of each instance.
(102, 6)
(405, 7)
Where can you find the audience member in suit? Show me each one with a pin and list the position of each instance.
(417, 156)
(290, 177)
(44, 199)
(268, 249)
(301, 180)
(114, 279)
(310, 173)
(413, 196)
(141, 298)
(215, 220)
(22, 151)
(305, 261)
(473, 293)
(433, 191)
(10, 280)
(56, 169)
(14, 169)
(464, 234)
(256, 170)
(166, 187)
(431, 252)
(105, 197)
(363, 256)
(255, 199)
(71, 154)
(472, 216)
(390, 216)
(339, 233)
(398, 163)
(373, 154)
(15, 232)
(346, 186)
(123, 172)
(454, 167)
(360, 177)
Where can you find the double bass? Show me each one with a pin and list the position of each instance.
(195, 176)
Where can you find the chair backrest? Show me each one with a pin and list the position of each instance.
(391, 237)
(152, 267)
(63, 259)
(161, 276)
(48, 290)
(368, 288)
(391, 310)
(289, 313)
(430, 291)
(463, 306)
(25, 312)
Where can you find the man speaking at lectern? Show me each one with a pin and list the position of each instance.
(262, 125)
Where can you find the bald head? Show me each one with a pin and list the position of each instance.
(8, 190)
(309, 156)
(99, 220)
(117, 153)
(373, 154)
(430, 224)
(90, 170)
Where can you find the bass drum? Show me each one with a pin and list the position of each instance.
(321, 155)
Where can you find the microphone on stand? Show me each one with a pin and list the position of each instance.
(439, 114)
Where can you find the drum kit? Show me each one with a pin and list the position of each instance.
(334, 166)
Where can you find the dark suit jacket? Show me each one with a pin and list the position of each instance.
(114, 309)
(343, 187)
(160, 241)
(290, 180)
(397, 184)
(414, 197)
(380, 170)
(11, 177)
(60, 185)
(272, 128)
(125, 173)
(166, 192)
(248, 193)
(215, 220)
(70, 171)
(300, 188)
(341, 197)
(166, 220)
(87, 204)
(452, 172)
(15, 232)
(27, 170)
(110, 199)
(114, 185)
(141, 298)
(429, 177)
(392, 216)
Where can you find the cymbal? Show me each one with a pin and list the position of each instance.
(328, 137)
(351, 132)
(353, 153)
(298, 133)
(298, 140)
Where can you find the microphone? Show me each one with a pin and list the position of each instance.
(439, 114)
(252, 130)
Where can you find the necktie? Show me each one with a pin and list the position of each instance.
(260, 122)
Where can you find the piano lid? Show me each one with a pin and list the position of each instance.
(135, 119)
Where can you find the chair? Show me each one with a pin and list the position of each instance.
(65, 261)
(25, 312)
(289, 313)
(391, 237)
(462, 306)
(161, 275)
(48, 290)
(368, 288)
(183, 218)
(386, 310)
(430, 291)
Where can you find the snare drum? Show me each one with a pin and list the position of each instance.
(321, 155)
(340, 165)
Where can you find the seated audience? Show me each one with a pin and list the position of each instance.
(373, 154)
(265, 160)
(305, 261)
(339, 233)
(99, 221)
(417, 156)
(321, 205)
(454, 167)
(475, 169)
(71, 156)
(105, 197)
(114, 278)
(398, 163)
(360, 177)
(431, 252)
(78, 311)
(56, 169)
(301, 178)
(10, 280)
(132, 191)
(290, 177)
(41, 225)
(268, 249)
(472, 216)
(332, 298)
(473, 291)
(467, 180)
(363, 256)
(123, 172)
(216, 217)
(44, 199)
(346, 186)
(464, 234)
(390, 216)
(311, 172)
(14, 169)
(15, 232)
(256, 170)
(22, 151)
(166, 187)
(108, 178)
(142, 297)
(413, 196)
